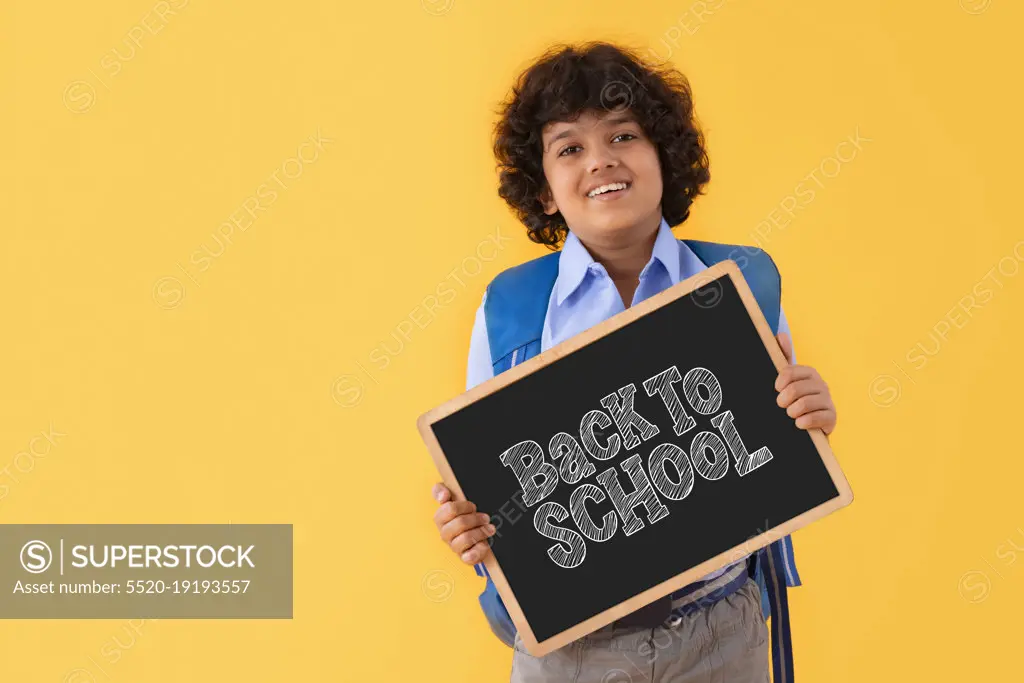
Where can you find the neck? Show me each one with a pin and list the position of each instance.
(624, 260)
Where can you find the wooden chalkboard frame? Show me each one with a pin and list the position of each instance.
(724, 268)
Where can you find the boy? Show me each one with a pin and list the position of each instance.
(606, 183)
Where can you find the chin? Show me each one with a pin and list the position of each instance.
(619, 221)
(610, 230)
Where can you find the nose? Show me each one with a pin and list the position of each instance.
(601, 157)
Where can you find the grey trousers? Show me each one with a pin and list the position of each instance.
(725, 642)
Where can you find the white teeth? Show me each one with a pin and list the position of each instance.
(607, 188)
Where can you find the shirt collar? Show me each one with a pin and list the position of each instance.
(575, 260)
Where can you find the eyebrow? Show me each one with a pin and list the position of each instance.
(613, 121)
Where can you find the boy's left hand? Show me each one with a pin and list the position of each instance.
(803, 393)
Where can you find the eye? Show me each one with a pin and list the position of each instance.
(629, 136)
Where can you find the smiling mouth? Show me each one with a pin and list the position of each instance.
(614, 190)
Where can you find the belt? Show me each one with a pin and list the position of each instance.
(767, 567)
(671, 608)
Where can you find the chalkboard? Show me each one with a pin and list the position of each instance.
(676, 393)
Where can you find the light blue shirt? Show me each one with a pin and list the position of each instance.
(585, 295)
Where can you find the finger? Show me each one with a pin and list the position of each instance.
(478, 553)
(468, 539)
(452, 509)
(791, 373)
(830, 425)
(441, 493)
(808, 404)
(819, 419)
(462, 524)
(801, 387)
(786, 343)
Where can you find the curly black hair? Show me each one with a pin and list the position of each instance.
(567, 80)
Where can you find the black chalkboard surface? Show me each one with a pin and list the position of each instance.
(674, 398)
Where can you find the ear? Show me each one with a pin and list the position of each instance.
(548, 201)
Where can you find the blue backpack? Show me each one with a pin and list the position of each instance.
(514, 310)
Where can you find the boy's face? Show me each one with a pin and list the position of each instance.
(597, 149)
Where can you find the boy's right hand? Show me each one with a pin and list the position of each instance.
(463, 528)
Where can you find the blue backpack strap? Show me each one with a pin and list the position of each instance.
(758, 270)
(514, 311)
(515, 308)
(774, 565)
(494, 609)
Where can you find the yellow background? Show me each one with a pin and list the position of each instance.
(248, 392)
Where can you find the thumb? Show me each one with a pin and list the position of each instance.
(787, 345)
(441, 493)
